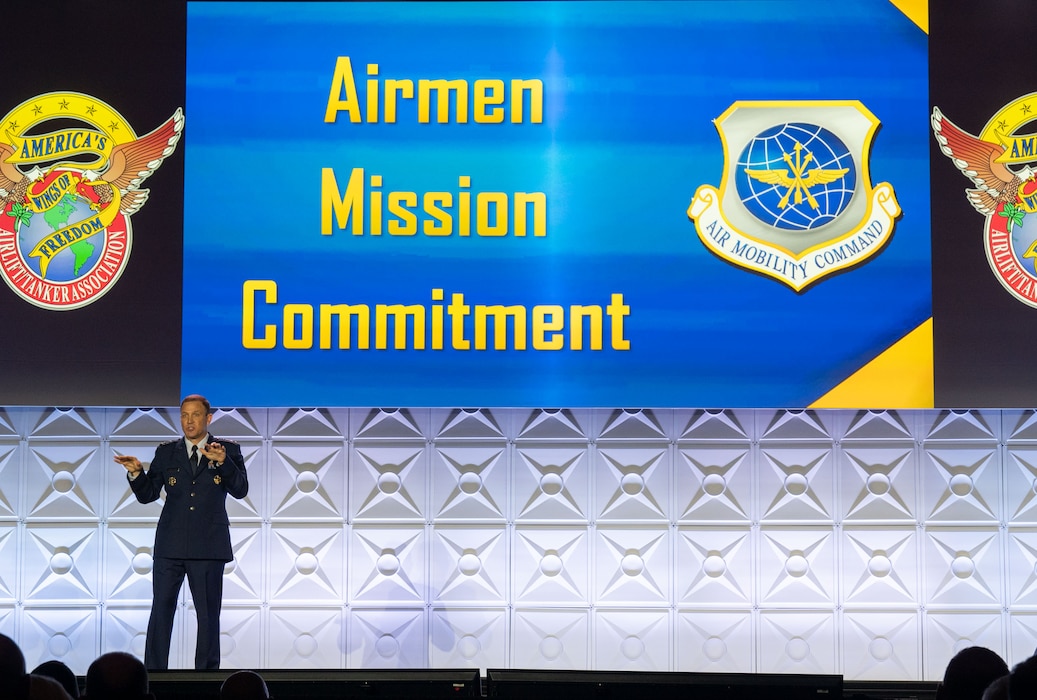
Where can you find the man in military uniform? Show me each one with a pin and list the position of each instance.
(193, 535)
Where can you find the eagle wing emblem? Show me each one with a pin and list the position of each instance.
(133, 162)
(13, 183)
(977, 160)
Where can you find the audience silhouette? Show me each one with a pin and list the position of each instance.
(1022, 683)
(244, 685)
(45, 688)
(60, 672)
(974, 673)
(117, 676)
(998, 690)
(969, 672)
(12, 667)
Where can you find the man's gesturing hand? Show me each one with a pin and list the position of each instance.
(215, 452)
(132, 464)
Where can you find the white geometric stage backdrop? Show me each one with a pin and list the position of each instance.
(868, 544)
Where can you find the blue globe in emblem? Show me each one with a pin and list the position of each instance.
(1024, 235)
(801, 199)
(76, 260)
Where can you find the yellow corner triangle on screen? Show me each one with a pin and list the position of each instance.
(916, 10)
(900, 377)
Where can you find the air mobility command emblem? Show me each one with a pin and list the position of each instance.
(795, 201)
(998, 162)
(71, 170)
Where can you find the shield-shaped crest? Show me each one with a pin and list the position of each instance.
(795, 200)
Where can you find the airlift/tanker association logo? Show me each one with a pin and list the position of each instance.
(795, 200)
(70, 174)
(1005, 195)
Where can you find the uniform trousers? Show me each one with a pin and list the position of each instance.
(205, 579)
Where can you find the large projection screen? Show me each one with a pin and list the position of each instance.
(406, 212)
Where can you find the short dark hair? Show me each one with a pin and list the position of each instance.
(12, 664)
(117, 675)
(998, 690)
(969, 672)
(59, 671)
(244, 685)
(200, 399)
(1023, 681)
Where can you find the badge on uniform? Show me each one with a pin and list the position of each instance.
(216, 480)
(172, 481)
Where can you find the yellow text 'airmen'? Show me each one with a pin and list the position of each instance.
(490, 101)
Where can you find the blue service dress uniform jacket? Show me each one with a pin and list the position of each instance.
(192, 539)
(193, 523)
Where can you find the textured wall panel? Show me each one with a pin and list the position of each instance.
(632, 640)
(878, 483)
(947, 633)
(1022, 633)
(305, 482)
(1022, 568)
(550, 565)
(961, 484)
(10, 475)
(245, 578)
(388, 638)
(551, 483)
(797, 567)
(715, 642)
(797, 484)
(469, 482)
(387, 565)
(632, 482)
(715, 565)
(881, 645)
(70, 633)
(306, 563)
(1020, 480)
(631, 565)
(63, 481)
(798, 641)
(127, 562)
(468, 638)
(306, 637)
(557, 638)
(962, 567)
(714, 483)
(123, 630)
(61, 563)
(10, 564)
(389, 482)
(468, 565)
(869, 543)
(880, 567)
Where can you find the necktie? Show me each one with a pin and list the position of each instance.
(194, 456)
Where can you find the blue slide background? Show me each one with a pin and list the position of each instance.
(631, 89)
